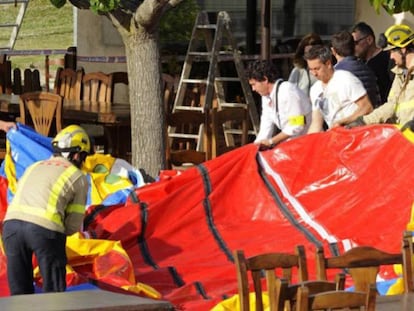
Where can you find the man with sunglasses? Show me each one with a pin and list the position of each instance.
(398, 109)
(376, 58)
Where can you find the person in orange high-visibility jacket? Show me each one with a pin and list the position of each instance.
(48, 205)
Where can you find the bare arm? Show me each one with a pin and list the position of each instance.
(5, 126)
(268, 143)
(317, 122)
(364, 107)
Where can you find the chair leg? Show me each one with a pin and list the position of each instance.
(108, 145)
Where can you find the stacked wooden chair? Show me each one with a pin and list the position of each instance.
(362, 263)
(336, 300)
(41, 110)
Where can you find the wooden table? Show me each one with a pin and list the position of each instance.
(82, 300)
(395, 303)
(115, 118)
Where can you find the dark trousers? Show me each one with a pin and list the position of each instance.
(21, 239)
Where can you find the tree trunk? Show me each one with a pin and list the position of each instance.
(147, 109)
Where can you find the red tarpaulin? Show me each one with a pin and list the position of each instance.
(337, 189)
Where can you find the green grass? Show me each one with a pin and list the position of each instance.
(44, 27)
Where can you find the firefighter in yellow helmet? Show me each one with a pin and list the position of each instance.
(398, 109)
(48, 205)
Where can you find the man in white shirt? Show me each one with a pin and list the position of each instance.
(284, 105)
(339, 97)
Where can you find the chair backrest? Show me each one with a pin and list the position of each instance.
(120, 83)
(5, 76)
(41, 110)
(287, 293)
(3, 149)
(17, 81)
(68, 83)
(169, 91)
(336, 300)
(97, 87)
(275, 266)
(183, 132)
(31, 81)
(227, 124)
(362, 263)
(408, 265)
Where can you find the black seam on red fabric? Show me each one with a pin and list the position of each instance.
(176, 277)
(134, 197)
(143, 246)
(207, 209)
(334, 249)
(201, 290)
(91, 217)
(142, 243)
(283, 208)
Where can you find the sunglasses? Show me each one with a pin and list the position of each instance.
(359, 40)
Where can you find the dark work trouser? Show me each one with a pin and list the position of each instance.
(21, 239)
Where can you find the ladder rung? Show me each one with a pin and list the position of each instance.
(227, 79)
(225, 53)
(233, 105)
(233, 131)
(238, 131)
(205, 54)
(183, 135)
(208, 26)
(194, 81)
(189, 108)
(8, 25)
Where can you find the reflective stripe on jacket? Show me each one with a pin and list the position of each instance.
(51, 194)
(399, 106)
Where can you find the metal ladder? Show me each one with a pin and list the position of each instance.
(19, 7)
(211, 45)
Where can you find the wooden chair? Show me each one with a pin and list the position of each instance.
(68, 83)
(275, 266)
(3, 147)
(17, 81)
(97, 87)
(41, 110)
(408, 265)
(287, 293)
(226, 124)
(54, 63)
(31, 81)
(120, 84)
(183, 143)
(5, 76)
(362, 263)
(169, 87)
(336, 300)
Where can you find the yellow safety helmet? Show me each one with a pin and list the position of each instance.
(72, 138)
(399, 36)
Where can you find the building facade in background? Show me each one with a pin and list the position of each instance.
(95, 35)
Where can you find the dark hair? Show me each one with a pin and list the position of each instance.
(309, 39)
(364, 29)
(321, 52)
(261, 69)
(343, 43)
(382, 40)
